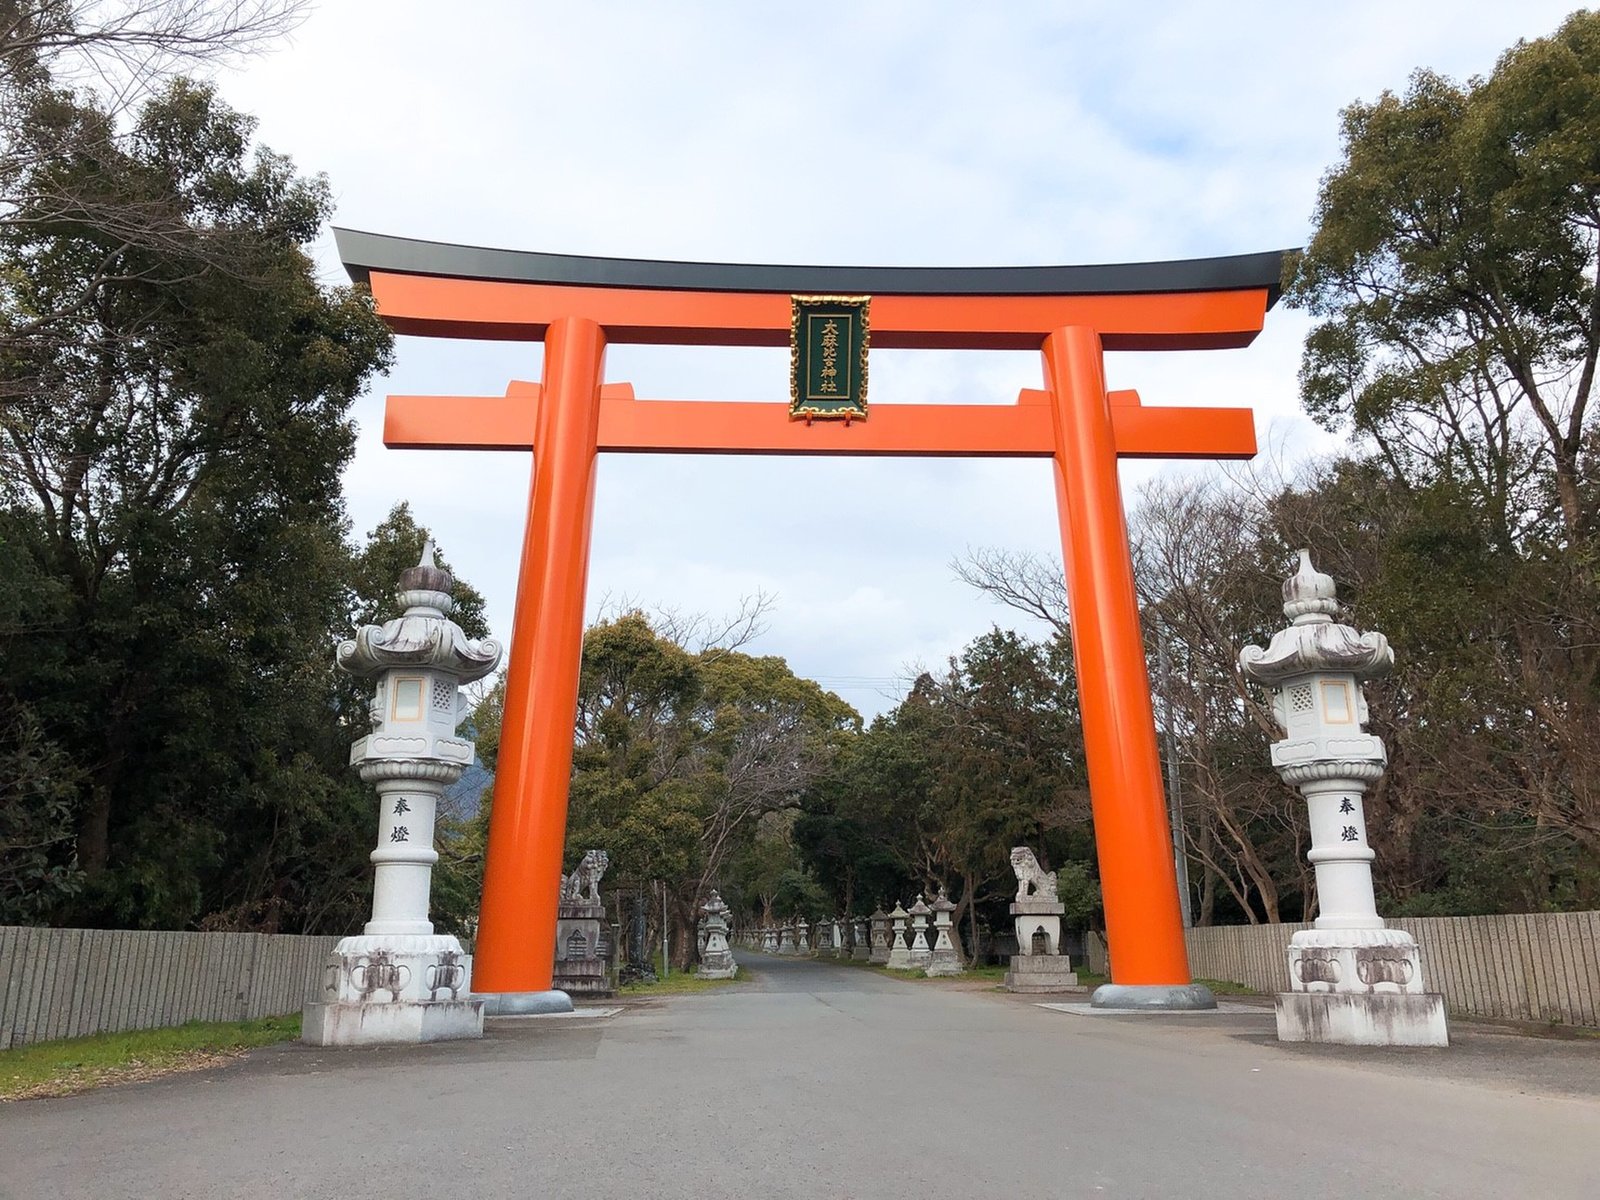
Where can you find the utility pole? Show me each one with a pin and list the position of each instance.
(666, 957)
(1169, 743)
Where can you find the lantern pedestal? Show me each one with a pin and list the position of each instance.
(388, 989)
(1359, 987)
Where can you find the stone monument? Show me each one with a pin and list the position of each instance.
(1038, 965)
(802, 936)
(580, 967)
(398, 981)
(946, 957)
(899, 948)
(860, 944)
(716, 960)
(1351, 979)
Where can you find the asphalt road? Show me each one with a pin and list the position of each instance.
(822, 1080)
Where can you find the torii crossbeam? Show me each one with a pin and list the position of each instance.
(578, 305)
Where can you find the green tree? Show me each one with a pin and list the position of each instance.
(174, 442)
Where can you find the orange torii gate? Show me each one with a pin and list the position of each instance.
(578, 305)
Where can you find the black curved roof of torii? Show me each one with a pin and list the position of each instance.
(364, 252)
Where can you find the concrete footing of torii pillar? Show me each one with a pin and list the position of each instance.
(1352, 980)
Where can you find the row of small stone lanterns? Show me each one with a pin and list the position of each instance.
(919, 938)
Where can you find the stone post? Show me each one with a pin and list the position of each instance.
(899, 949)
(839, 948)
(716, 959)
(860, 944)
(946, 957)
(878, 924)
(1351, 979)
(399, 981)
(921, 952)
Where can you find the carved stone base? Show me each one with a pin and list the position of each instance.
(945, 962)
(582, 977)
(1040, 973)
(899, 957)
(718, 966)
(879, 954)
(860, 952)
(1355, 961)
(1367, 1019)
(379, 988)
(392, 1022)
(918, 959)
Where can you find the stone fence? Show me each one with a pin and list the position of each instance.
(1518, 967)
(58, 983)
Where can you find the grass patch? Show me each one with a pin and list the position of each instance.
(78, 1064)
(1227, 987)
(680, 983)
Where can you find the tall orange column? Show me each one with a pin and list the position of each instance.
(515, 948)
(1138, 882)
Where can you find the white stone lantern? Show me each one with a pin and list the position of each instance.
(921, 952)
(802, 936)
(398, 981)
(716, 957)
(899, 949)
(1351, 979)
(946, 958)
(878, 926)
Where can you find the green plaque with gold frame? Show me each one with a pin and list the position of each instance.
(828, 338)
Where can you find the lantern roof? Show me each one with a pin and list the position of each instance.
(1314, 640)
(423, 635)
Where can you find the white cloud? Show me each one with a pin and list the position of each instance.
(898, 133)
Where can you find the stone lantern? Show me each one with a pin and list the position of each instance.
(840, 950)
(399, 981)
(716, 958)
(802, 936)
(823, 933)
(786, 938)
(1351, 979)
(860, 945)
(921, 952)
(899, 950)
(769, 939)
(878, 926)
(946, 958)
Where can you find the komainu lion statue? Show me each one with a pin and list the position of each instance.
(583, 885)
(1031, 875)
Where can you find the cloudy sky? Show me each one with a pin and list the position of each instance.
(879, 133)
